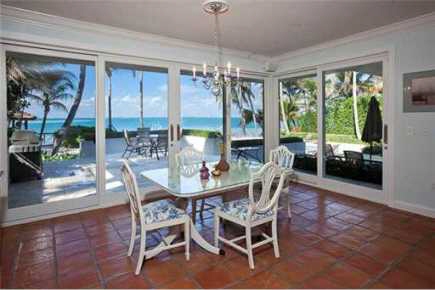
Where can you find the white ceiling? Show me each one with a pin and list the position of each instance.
(265, 27)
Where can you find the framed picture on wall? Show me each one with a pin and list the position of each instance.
(419, 91)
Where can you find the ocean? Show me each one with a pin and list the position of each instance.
(155, 123)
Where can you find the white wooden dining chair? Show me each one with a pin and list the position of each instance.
(190, 160)
(189, 156)
(284, 158)
(250, 213)
(152, 216)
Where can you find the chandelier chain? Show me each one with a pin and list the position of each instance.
(217, 35)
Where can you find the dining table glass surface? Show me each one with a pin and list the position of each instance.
(185, 181)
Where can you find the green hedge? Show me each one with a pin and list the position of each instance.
(334, 138)
(201, 133)
(77, 133)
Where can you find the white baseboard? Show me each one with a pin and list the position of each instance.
(414, 208)
(348, 189)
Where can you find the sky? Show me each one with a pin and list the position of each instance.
(196, 101)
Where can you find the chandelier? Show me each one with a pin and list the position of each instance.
(220, 77)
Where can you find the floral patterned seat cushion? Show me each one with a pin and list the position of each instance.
(239, 209)
(160, 211)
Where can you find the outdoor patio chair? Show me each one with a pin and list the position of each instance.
(152, 216)
(354, 157)
(160, 145)
(131, 146)
(284, 158)
(143, 138)
(250, 213)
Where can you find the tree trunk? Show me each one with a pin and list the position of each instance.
(72, 111)
(243, 125)
(44, 121)
(141, 100)
(284, 117)
(355, 106)
(110, 103)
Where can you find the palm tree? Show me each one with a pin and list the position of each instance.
(295, 92)
(109, 71)
(349, 84)
(243, 98)
(72, 111)
(20, 81)
(141, 98)
(54, 89)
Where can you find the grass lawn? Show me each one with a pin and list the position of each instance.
(335, 138)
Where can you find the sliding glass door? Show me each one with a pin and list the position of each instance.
(202, 120)
(136, 120)
(247, 120)
(298, 120)
(335, 121)
(353, 124)
(51, 119)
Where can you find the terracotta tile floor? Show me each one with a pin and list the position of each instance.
(332, 241)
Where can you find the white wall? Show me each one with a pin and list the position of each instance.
(412, 48)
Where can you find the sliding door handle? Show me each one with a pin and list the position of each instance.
(178, 132)
(172, 133)
(385, 134)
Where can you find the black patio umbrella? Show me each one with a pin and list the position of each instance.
(373, 127)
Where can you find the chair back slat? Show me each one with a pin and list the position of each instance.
(266, 176)
(282, 157)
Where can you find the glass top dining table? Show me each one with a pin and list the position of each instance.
(185, 181)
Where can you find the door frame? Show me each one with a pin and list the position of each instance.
(384, 195)
(34, 212)
(111, 198)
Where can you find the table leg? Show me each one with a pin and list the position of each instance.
(196, 236)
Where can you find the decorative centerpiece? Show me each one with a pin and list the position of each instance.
(204, 172)
(222, 165)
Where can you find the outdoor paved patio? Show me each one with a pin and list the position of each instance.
(332, 241)
(71, 179)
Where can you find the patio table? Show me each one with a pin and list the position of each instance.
(185, 183)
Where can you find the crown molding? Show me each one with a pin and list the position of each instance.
(47, 20)
(394, 27)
